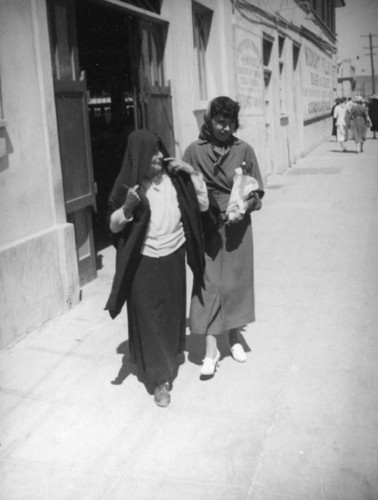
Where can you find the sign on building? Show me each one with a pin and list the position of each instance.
(317, 83)
(248, 72)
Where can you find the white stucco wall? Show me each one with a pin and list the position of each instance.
(181, 66)
(38, 268)
(234, 54)
(284, 133)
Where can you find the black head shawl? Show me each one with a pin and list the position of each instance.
(141, 146)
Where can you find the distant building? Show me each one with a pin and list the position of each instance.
(77, 76)
(346, 78)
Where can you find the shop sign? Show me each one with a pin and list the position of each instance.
(317, 83)
(248, 71)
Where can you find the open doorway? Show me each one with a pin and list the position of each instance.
(104, 39)
(122, 54)
(108, 72)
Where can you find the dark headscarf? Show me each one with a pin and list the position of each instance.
(224, 106)
(142, 145)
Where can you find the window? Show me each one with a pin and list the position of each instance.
(153, 40)
(267, 77)
(201, 31)
(296, 49)
(267, 43)
(267, 48)
(1, 106)
(282, 76)
(281, 41)
(151, 5)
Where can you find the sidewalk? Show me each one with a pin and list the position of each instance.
(298, 421)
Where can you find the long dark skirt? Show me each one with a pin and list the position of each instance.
(156, 315)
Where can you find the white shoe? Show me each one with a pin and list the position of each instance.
(209, 365)
(238, 353)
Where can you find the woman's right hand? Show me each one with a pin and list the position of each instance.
(132, 200)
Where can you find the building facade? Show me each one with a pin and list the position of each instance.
(77, 76)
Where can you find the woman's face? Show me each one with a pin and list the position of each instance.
(156, 167)
(223, 127)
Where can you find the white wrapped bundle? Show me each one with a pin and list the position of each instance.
(242, 187)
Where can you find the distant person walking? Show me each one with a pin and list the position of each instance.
(360, 123)
(373, 114)
(340, 115)
(349, 106)
(334, 130)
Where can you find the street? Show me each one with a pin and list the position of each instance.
(298, 420)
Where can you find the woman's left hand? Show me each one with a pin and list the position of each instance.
(253, 203)
(176, 165)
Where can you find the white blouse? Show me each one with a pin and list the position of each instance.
(165, 233)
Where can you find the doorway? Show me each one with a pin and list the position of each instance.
(122, 56)
(108, 72)
(104, 36)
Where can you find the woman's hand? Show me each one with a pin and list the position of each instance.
(235, 217)
(176, 165)
(253, 203)
(132, 200)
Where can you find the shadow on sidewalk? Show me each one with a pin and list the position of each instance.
(129, 368)
(195, 347)
(341, 151)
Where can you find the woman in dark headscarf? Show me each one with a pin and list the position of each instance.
(154, 214)
(227, 301)
(334, 130)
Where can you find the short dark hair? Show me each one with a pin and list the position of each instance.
(226, 107)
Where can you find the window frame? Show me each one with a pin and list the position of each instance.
(201, 24)
(282, 74)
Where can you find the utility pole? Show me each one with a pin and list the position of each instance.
(370, 48)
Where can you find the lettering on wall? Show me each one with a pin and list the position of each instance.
(248, 73)
(317, 83)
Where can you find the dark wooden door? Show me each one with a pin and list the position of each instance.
(155, 94)
(73, 130)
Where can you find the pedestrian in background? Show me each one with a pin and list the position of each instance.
(334, 130)
(349, 106)
(227, 301)
(373, 114)
(340, 115)
(155, 219)
(360, 123)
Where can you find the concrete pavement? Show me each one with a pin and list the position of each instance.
(298, 421)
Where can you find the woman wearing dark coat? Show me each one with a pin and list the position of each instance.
(373, 114)
(227, 301)
(360, 122)
(154, 215)
(334, 129)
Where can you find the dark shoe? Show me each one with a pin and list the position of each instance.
(161, 394)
